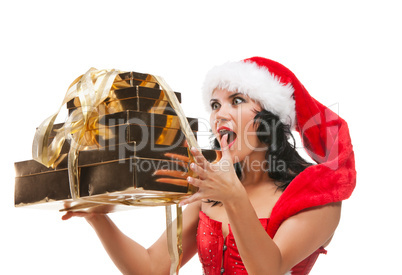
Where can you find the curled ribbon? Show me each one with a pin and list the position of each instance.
(91, 89)
(176, 253)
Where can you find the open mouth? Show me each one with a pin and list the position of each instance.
(231, 135)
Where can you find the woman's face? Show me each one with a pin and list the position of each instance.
(233, 114)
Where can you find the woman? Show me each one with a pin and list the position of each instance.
(261, 209)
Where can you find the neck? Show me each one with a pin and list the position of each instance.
(254, 169)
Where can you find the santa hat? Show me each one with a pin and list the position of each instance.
(324, 134)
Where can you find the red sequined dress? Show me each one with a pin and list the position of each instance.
(219, 255)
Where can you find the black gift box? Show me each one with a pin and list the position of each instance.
(133, 134)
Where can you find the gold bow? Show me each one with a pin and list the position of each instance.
(91, 89)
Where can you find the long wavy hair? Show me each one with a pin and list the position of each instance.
(276, 136)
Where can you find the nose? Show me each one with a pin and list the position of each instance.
(223, 114)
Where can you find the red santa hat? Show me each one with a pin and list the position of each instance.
(324, 134)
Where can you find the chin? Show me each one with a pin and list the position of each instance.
(238, 155)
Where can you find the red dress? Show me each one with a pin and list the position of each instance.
(219, 255)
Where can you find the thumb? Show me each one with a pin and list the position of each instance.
(67, 216)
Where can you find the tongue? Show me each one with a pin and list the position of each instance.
(231, 137)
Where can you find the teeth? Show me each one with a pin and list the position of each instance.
(224, 132)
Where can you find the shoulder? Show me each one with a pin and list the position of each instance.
(324, 218)
(302, 234)
(332, 209)
(191, 212)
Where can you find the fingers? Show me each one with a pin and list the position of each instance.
(180, 182)
(183, 160)
(194, 181)
(199, 158)
(193, 198)
(179, 159)
(171, 173)
(177, 156)
(198, 170)
(67, 216)
(224, 143)
(71, 214)
(225, 148)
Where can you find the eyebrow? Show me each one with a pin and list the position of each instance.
(230, 97)
(234, 95)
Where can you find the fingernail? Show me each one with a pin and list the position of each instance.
(189, 179)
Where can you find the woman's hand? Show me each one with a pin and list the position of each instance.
(174, 177)
(217, 181)
(86, 215)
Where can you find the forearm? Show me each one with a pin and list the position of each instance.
(128, 256)
(258, 251)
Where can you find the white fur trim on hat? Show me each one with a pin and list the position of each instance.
(256, 82)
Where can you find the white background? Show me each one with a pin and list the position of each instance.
(347, 54)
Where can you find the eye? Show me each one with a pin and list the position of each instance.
(215, 105)
(238, 100)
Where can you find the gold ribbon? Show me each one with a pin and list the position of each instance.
(176, 254)
(174, 237)
(185, 126)
(91, 89)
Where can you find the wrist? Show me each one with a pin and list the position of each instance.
(94, 218)
(237, 195)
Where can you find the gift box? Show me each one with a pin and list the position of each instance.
(132, 126)
(132, 135)
(113, 176)
(139, 98)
